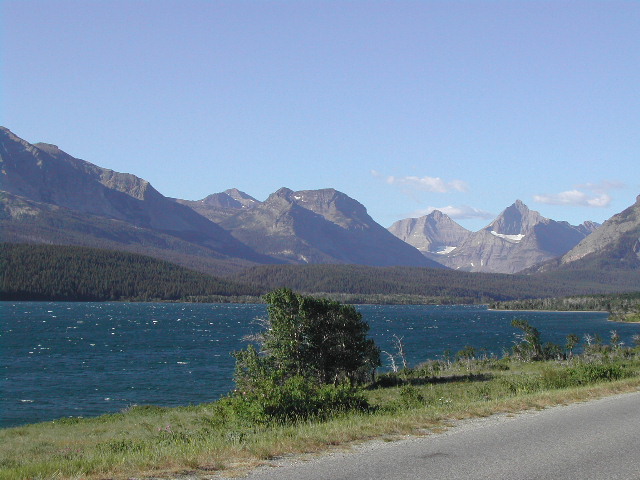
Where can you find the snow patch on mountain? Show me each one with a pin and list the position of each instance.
(511, 238)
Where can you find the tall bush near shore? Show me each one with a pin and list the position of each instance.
(310, 356)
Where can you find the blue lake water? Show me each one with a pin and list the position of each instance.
(83, 359)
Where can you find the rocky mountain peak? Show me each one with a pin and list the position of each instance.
(231, 199)
(283, 194)
(437, 215)
(329, 200)
(435, 233)
(320, 226)
(244, 199)
(516, 219)
(221, 200)
(47, 147)
(12, 146)
(334, 206)
(588, 227)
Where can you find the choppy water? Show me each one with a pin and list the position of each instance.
(83, 359)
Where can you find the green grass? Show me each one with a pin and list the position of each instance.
(633, 317)
(148, 440)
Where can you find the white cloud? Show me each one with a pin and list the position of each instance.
(463, 212)
(575, 198)
(595, 195)
(429, 184)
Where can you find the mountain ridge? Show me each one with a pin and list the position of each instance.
(435, 233)
(44, 186)
(55, 187)
(515, 240)
(319, 226)
(49, 196)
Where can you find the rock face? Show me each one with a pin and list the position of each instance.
(319, 226)
(517, 239)
(616, 244)
(219, 206)
(433, 234)
(48, 196)
(101, 206)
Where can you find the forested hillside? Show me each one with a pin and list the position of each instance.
(619, 303)
(53, 272)
(447, 285)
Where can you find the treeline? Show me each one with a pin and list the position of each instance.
(616, 304)
(75, 228)
(56, 272)
(446, 285)
(69, 273)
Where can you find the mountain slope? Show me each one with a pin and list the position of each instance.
(219, 206)
(43, 185)
(517, 239)
(619, 238)
(435, 233)
(615, 246)
(320, 226)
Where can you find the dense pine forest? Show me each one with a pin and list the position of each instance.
(440, 285)
(621, 306)
(66, 273)
(70, 273)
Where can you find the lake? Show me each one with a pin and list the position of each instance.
(83, 359)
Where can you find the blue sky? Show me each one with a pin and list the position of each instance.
(403, 105)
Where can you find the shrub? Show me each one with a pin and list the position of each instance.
(296, 398)
(410, 396)
(586, 373)
(309, 349)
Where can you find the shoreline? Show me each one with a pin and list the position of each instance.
(548, 311)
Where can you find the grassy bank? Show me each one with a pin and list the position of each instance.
(632, 317)
(154, 441)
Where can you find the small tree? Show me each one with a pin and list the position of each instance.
(307, 345)
(530, 346)
(572, 342)
(616, 341)
(314, 338)
(318, 338)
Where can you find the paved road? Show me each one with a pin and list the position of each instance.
(594, 440)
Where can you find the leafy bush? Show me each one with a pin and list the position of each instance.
(410, 396)
(296, 398)
(586, 373)
(308, 352)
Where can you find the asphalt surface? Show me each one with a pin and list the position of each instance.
(599, 439)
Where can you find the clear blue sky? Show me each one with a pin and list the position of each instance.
(403, 105)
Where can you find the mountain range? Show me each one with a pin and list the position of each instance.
(517, 239)
(47, 196)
